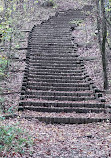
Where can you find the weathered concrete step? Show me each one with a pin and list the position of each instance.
(56, 77)
(67, 62)
(70, 14)
(52, 32)
(62, 59)
(64, 34)
(54, 42)
(55, 70)
(55, 65)
(45, 39)
(55, 62)
(50, 45)
(58, 84)
(66, 110)
(54, 24)
(40, 33)
(58, 58)
(53, 28)
(55, 73)
(36, 54)
(57, 93)
(55, 103)
(58, 45)
(59, 98)
(51, 40)
(67, 120)
(75, 67)
(55, 80)
(65, 19)
(52, 50)
(58, 88)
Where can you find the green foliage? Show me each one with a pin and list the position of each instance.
(13, 140)
(5, 30)
(2, 107)
(76, 22)
(3, 66)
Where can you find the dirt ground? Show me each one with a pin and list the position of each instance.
(61, 141)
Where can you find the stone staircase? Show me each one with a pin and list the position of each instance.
(55, 80)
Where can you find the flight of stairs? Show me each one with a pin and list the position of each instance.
(55, 80)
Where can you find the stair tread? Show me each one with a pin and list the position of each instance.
(72, 92)
(56, 101)
(64, 115)
(89, 108)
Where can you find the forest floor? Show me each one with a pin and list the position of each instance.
(61, 141)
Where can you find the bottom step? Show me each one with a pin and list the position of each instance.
(62, 118)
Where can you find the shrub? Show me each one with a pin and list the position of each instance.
(13, 141)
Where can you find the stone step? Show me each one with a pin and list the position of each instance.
(48, 59)
(55, 103)
(62, 28)
(58, 84)
(76, 62)
(53, 41)
(68, 120)
(55, 70)
(55, 80)
(66, 110)
(55, 73)
(53, 26)
(57, 93)
(65, 45)
(68, 69)
(58, 58)
(55, 65)
(40, 43)
(40, 33)
(64, 118)
(57, 77)
(53, 55)
(58, 88)
(51, 50)
(59, 98)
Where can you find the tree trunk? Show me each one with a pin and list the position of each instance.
(104, 35)
(98, 23)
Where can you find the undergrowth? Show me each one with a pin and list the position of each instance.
(14, 141)
(3, 66)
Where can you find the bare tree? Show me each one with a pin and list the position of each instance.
(103, 52)
(102, 37)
